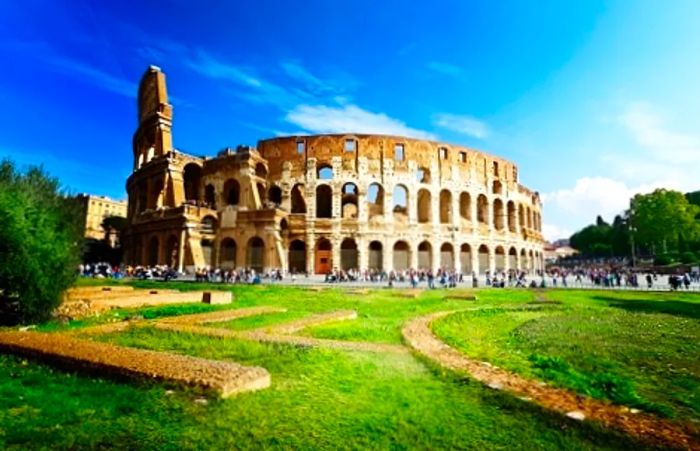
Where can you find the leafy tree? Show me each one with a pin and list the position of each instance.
(664, 219)
(40, 243)
(593, 240)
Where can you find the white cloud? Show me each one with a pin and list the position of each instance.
(444, 68)
(648, 127)
(207, 65)
(465, 125)
(553, 233)
(350, 119)
(309, 80)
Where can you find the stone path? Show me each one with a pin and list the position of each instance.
(653, 430)
(220, 378)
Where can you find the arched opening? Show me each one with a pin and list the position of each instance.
(425, 256)
(402, 256)
(208, 225)
(521, 216)
(232, 192)
(227, 255)
(297, 256)
(465, 258)
(400, 199)
(531, 261)
(156, 196)
(207, 252)
(210, 196)
(324, 256)
(424, 207)
(153, 251)
(422, 175)
(447, 257)
(324, 172)
(500, 259)
(498, 215)
(523, 260)
(298, 202)
(376, 257)
(348, 254)
(511, 217)
(375, 200)
(274, 195)
(142, 197)
(192, 178)
(445, 207)
(255, 255)
(497, 187)
(465, 206)
(529, 217)
(172, 252)
(483, 259)
(261, 170)
(324, 201)
(348, 202)
(482, 209)
(512, 258)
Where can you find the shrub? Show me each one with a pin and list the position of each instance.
(688, 257)
(664, 259)
(40, 241)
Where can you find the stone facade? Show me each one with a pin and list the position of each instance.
(314, 203)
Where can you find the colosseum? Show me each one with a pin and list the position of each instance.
(316, 203)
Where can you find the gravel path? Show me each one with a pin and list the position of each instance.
(220, 378)
(419, 336)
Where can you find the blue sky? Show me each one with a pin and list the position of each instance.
(593, 100)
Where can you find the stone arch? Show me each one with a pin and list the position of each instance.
(232, 192)
(500, 259)
(172, 251)
(512, 258)
(348, 254)
(497, 187)
(447, 256)
(425, 255)
(324, 172)
(227, 253)
(255, 254)
(402, 255)
(210, 196)
(498, 214)
(523, 260)
(528, 214)
(511, 217)
(521, 216)
(324, 201)
(465, 258)
(482, 209)
(298, 202)
(207, 252)
(375, 200)
(424, 205)
(153, 251)
(324, 256)
(484, 255)
(445, 207)
(192, 176)
(274, 195)
(261, 193)
(348, 202)
(531, 261)
(401, 199)
(261, 170)
(297, 256)
(376, 256)
(465, 206)
(422, 175)
(208, 225)
(155, 198)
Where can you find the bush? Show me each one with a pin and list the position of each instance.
(688, 257)
(40, 243)
(664, 259)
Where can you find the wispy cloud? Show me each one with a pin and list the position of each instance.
(311, 82)
(350, 119)
(466, 125)
(444, 68)
(207, 65)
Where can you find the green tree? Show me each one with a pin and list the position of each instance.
(40, 243)
(664, 219)
(593, 240)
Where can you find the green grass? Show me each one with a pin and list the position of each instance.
(321, 398)
(635, 349)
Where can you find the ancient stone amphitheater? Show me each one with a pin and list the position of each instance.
(315, 203)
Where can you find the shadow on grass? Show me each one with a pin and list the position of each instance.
(676, 308)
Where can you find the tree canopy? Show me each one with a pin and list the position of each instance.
(664, 219)
(40, 243)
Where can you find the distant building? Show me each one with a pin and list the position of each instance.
(553, 252)
(96, 209)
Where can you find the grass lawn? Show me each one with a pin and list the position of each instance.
(331, 399)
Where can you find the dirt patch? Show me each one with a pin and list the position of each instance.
(645, 427)
(220, 378)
